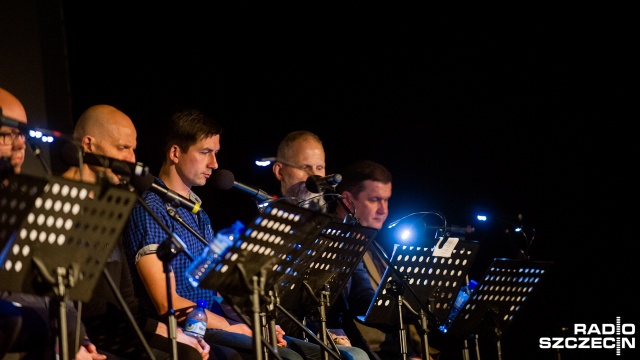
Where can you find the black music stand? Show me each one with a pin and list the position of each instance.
(56, 235)
(270, 247)
(433, 276)
(338, 250)
(500, 295)
(319, 280)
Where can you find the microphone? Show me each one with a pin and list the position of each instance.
(317, 184)
(224, 180)
(71, 155)
(144, 183)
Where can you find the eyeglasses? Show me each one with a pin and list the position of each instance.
(9, 138)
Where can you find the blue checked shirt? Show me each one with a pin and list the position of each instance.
(142, 235)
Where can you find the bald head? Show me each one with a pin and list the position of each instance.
(13, 150)
(12, 107)
(105, 130)
(299, 155)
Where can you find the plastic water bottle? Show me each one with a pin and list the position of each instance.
(196, 323)
(202, 265)
(463, 296)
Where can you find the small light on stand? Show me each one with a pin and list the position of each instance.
(269, 160)
(407, 231)
(265, 161)
(37, 134)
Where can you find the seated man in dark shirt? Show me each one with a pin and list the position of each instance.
(301, 154)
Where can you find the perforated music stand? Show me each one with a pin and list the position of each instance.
(337, 251)
(272, 245)
(318, 281)
(500, 295)
(56, 235)
(434, 277)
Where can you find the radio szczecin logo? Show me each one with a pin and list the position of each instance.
(616, 336)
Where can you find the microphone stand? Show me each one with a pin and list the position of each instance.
(171, 247)
(37, 152)
(350, 218)
(422, 314)
(175, 216)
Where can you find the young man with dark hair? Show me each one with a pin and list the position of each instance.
(190, 148)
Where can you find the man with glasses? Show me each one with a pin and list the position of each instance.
(301, 154)
(24, 329)
(9, 138)
(27, 326)
(12, 141)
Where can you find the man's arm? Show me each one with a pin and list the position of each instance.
(150, 268)
(161, 329)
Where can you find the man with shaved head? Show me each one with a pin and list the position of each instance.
(106, 131)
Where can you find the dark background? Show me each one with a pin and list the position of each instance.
(513, 113)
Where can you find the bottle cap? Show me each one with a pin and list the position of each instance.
(472, 284)
(202, 304)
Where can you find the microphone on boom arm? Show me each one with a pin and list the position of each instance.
(319, 184)
(224, 180)
(73, 155)
(144, 183)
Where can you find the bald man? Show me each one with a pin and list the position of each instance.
(300, 155)
(12, 141)
(106, 131)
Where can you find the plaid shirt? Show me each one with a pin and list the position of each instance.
(142, 236)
